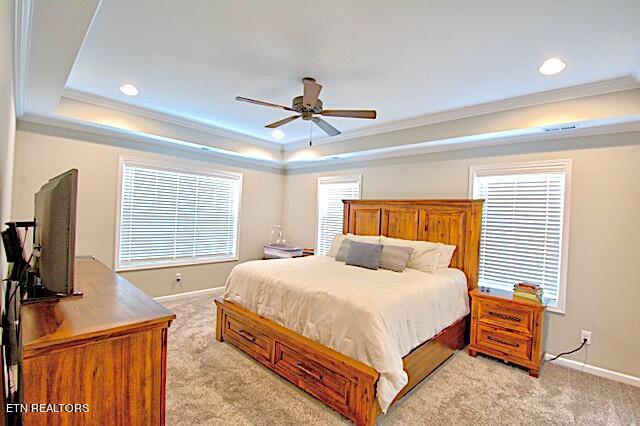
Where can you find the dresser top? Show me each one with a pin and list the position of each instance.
(109, 306)
(505, 296)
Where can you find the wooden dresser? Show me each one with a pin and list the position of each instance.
(507, 327)
(106, 349)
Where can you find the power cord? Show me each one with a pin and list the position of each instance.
(584, 342)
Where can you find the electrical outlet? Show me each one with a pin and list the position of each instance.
(178, 279)
(584, 334)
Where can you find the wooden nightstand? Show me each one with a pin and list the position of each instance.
(507, 327)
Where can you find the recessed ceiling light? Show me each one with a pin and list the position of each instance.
(129, 89)
(552, 66)
(277, 134)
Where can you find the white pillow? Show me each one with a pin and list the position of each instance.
(425, 254)
(335, 245)
(337, 241)
(446, 254)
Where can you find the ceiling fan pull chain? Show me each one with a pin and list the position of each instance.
(310, 133)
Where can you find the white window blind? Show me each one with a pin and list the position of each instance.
(172, 216)
(331, 192)
(524, 224)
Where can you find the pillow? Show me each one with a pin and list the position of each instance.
(395, 258)
(365, 255)
(371, 239)
(335, 245)
(446, 254)
(339, 238)
(341, 255)
(425, 254)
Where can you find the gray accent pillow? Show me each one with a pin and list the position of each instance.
(365, 255)
(395, 258)
(341, 255)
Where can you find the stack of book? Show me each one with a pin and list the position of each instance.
(281, 251)
(528, 291)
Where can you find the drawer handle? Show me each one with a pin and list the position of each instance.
(308, 372)
(503, 316)
(250, 337)
(504, 342)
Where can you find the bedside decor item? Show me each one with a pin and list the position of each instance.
(281, 251)
(276, 236)
(528, 291)
(507, 327)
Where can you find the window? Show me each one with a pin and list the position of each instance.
(331, 192)
(524, 226)
(170, 216)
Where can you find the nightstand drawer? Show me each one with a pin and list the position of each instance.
(503, 341)
(509, 317)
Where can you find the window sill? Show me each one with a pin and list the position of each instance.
(176, 264)
(557, 311)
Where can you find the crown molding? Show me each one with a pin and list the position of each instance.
(615, 125)
(67, 123)
(22, 14)
(586, 128)
(102, 101)
(556, 95)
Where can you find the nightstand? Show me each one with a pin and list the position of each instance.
(507, 327)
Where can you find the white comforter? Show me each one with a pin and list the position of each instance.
(376, 317)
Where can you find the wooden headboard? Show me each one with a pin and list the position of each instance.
(455, 222)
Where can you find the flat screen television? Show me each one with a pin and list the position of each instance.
(54, 240)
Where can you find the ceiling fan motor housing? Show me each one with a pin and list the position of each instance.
(298, 106)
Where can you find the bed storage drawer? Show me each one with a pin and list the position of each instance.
(503, 316)
(247, 337)
(497, 339)
(311, 376)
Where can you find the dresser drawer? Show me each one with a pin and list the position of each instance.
(514, 344)
(316, 379)
(510, 317)
(247, 337)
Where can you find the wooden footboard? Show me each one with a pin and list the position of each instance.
(344, 384)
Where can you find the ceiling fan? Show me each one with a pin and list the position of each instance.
(309, 106)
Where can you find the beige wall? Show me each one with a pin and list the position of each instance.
(603, 286)
(7, 117)
(42, 153)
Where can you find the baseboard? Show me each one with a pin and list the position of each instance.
(596, 371)
(215, 291)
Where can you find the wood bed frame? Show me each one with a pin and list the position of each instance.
(344, 384)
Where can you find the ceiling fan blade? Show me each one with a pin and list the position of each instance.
(282, 122)
(311, 92)
(326, 127)
(351, 113)
(267, 104)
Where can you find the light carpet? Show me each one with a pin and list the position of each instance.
(213, 383)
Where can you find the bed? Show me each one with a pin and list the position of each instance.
(316, 322)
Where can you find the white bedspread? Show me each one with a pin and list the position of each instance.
(376, 317)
